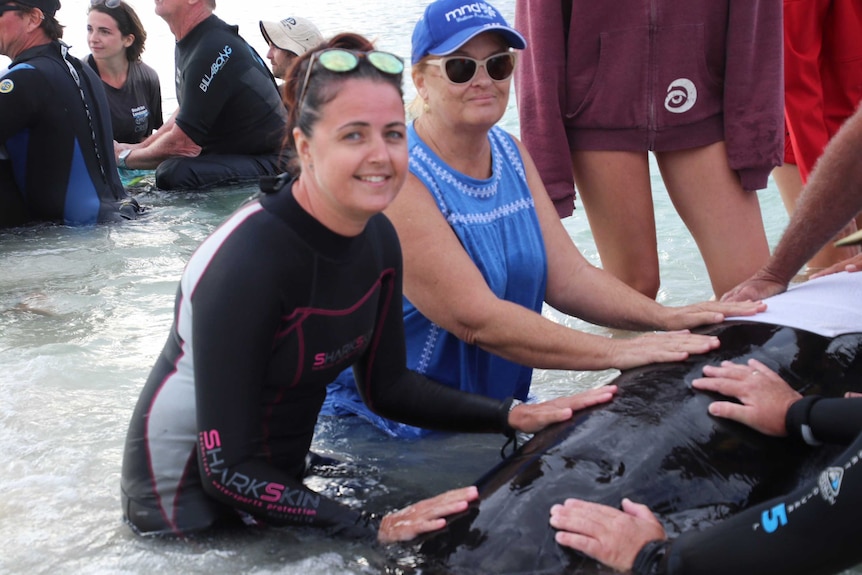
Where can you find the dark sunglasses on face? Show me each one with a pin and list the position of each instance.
(340, 60)
(462, 69)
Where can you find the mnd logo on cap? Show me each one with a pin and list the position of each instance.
(471, 10)
(448, 24)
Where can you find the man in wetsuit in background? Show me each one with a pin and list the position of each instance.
(56, 151)
(230, 121)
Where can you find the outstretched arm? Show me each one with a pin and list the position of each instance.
(444, 283)
(579, 289)
(832, 197)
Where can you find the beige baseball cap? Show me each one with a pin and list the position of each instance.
(294, 34)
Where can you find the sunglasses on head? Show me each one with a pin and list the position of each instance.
(341, 61)
(462, 69)
(107, 3)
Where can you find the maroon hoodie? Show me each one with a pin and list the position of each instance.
(658, 75)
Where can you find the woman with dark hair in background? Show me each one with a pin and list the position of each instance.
(116, 39)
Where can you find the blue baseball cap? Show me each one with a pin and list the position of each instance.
(447, 25)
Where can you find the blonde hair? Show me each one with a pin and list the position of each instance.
(417, 105)
(416, 108)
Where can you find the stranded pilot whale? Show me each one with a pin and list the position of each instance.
(656, 444)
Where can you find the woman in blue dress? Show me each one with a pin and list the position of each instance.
(483, 246)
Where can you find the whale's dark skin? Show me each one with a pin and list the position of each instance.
(654, 443)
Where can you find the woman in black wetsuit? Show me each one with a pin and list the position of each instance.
(813, 530)
(294, 287)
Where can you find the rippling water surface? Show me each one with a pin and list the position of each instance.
(84, 313)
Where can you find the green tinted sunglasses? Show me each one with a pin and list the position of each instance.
(341, 61)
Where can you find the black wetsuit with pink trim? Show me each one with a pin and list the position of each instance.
(811, 531)
(270, 309)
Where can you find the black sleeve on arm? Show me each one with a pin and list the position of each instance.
(651, 558)
(816, 419)
(812, 531)
(417, 400)
(808, 532)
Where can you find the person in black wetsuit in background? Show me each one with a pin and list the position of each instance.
(56, 151)
(230, 120)
(294, 287)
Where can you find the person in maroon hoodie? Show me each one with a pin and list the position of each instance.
(698, 83)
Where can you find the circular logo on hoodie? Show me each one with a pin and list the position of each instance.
(681, 96)
(6, 86)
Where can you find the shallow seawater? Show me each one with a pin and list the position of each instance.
(84, 313)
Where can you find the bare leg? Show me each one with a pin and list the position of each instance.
(615, 190)
(789, 183)
(724, 220)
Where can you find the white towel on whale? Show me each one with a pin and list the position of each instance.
(829, 306)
